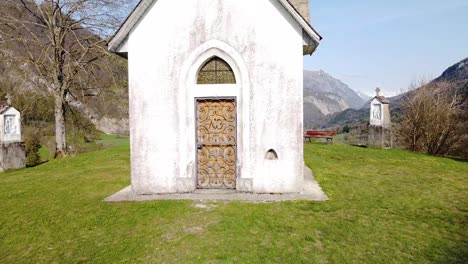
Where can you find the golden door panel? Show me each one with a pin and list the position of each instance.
(216, 143)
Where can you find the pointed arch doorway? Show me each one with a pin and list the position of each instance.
(216, 129)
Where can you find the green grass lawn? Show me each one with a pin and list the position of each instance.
(105, 141)
(113, 141)
(386, 206)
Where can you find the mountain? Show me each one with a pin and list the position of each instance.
(364, 96)
(456, 72)
(325, 95)
(456, 76)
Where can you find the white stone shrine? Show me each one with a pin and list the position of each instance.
(12, 151)
(216, 94)
(380, 111)
(380, 133)
(10, 121)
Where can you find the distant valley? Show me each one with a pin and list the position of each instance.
(325, 95)
(335, 94)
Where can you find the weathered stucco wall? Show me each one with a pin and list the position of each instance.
(264, 49)
(12, 156)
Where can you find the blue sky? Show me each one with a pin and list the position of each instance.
(384, 43)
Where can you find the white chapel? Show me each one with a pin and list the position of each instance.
(216, 94)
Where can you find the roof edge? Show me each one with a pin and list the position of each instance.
(140, 10)
(121, 34)
(382, 99)
(302, 21)
(4, 108)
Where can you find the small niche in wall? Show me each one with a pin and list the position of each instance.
(271, 155)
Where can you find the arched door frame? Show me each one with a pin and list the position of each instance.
(189, 90)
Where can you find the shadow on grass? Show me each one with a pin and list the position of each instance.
(359, 145)
(458, 159)
(457, 254)
(38, 164)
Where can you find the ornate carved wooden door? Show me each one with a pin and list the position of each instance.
(216, 143)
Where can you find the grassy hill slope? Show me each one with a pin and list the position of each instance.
(385, 206)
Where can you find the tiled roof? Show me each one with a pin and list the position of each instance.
(302, 7)
(382, 99)
(3, 108)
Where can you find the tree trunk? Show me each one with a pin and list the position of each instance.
(60, 132)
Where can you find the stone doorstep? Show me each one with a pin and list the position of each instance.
(311, 192)
(126, 195)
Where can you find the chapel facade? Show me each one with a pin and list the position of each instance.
(216, 94)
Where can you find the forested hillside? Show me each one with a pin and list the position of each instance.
(97, 96)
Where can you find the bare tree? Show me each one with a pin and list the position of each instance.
(62, 42)
(431, 118)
